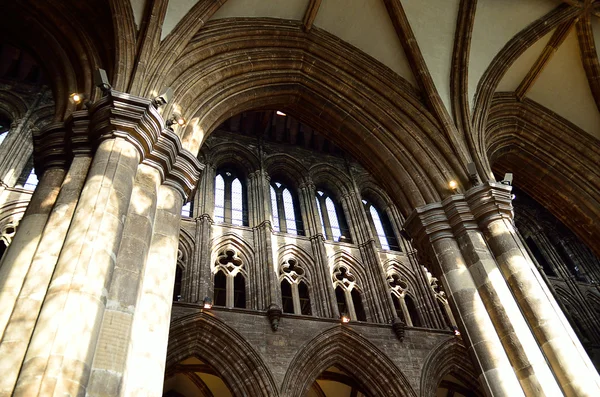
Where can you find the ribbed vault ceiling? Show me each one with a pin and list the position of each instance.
(559, 84)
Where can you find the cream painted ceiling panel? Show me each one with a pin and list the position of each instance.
(284, 9)
(496, 22)
(176, 10)
(517, 72)
(366, 25)
(138, 10)
(563, 88)
(434, 27)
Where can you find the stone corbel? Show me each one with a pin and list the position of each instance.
(274, 314)
(490, 201)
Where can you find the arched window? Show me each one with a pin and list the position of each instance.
(347, 294)
(381, 226)
(230, 199)
(177, 287)
(229, 280)
(403, 303)
(186, 210)
(294, 288)
(285, 210)
(332, 218)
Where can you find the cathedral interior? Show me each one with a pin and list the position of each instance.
(324, 198)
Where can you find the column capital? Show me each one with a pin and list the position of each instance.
(428, 223)
(490, 201)
(459, 214)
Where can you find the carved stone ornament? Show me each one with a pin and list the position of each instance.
(274, 314)
(399, 327)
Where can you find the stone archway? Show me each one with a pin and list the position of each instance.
(345, 349)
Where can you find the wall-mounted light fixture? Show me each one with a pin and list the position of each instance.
(456, 331)
(453, 185)
(163, 98)
(280, 113)
(76, 98)
(345, 318)
(176, 119)
(207, 303)
(101, 80)
(508, 179)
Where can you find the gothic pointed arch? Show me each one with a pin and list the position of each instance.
(286, 167)
(305, 78)
(232, 153)
(204, 336)
(341, 346)
(293, 251)
(448, 358)
(327, 176)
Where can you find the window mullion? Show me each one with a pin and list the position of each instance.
(405, 311)
(281, 211)
(228, 200)
(229, 293)
(350, 305)
(326, 222)
(296, 299)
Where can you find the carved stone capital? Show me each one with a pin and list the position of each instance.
(459, 214)
(490, 201)
(126, 116)
(49, 147)
(428, 223)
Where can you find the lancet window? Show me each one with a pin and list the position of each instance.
(230, 199)
(404, 304)
(294, 288)
(381, 226)
(332, 218)
(229, 280)
(285, 210)
(347, 294)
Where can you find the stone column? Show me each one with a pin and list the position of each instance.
(431, 232)
(145, 365)
(57, 363)
(25, 314)
(324, 294)
(17, 258)
(491, 204)
(529, 365)
(265, 274)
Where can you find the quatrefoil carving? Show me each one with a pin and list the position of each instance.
(292, 269)
(229, 260)
(397, 283)
(343, 275)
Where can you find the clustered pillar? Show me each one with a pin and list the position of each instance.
(97, 258)
(513, 329)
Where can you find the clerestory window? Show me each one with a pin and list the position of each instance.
(285, 210)
(332, 218)
(381, 226)
(230, 199)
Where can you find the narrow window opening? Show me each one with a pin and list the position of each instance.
(539, 257)
(412, 311)
(287, 300)
(274, 210)
(220, 290)
(177, 288)
(340, 297)
(239, 291)
(290, 214)
(398, 308)
(186, 210)
(358, 305)
(219, 199)
(237, 206)
(304, 298)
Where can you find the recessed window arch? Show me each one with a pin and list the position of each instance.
(231, 203)
(381, 226)
(229, 279)
(348, 294)
(404, 304)
(285, 209)
(294, 288)
(331, 215)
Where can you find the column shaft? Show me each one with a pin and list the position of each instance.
(57, 363)
(123, 293)
(145, 367)
(17, 258)
(24, 316)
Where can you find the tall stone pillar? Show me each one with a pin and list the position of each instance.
(524, 355)
(265, 274)
(145, 365)
(491, 204)
(432, 232)
(324, 298)
(17, 259)
(57, 363)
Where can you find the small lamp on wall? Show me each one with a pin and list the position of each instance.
(345, 318)
(207, 303)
